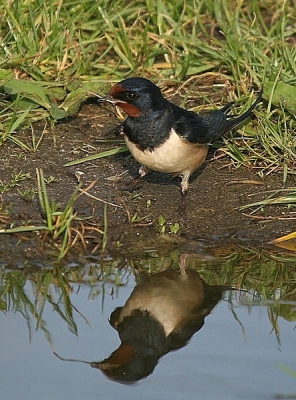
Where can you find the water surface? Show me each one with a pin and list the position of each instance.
(240, 352)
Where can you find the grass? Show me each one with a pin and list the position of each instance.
(15, 179)
(62, 225)
(55, 53)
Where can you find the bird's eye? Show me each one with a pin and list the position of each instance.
(131, 95)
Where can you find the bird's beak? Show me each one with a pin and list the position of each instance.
(110, 99)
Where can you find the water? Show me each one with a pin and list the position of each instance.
(239, 352)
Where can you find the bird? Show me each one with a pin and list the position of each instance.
(161, 315)
(164, 137)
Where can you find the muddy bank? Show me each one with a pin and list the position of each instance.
(133, 210)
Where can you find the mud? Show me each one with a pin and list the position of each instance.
(216, 192)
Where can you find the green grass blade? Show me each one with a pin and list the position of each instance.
(107, 153)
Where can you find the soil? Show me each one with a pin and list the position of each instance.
(212, 213)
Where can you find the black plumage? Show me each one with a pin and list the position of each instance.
(161, 315)
(165, 137)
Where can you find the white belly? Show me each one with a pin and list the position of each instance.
(175, 155)
(169, 301)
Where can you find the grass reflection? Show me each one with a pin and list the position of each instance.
(29, 290)
(265, 276)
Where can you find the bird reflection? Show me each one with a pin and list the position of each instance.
(162, 314)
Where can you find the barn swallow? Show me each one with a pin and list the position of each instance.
(161, 315)
(165, 137)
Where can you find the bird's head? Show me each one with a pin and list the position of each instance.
(137, 96)
(128, 364)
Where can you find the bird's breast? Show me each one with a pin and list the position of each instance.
(175, 155)
(169, 301)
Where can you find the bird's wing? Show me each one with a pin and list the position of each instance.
(199, 129)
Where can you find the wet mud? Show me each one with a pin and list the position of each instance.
(135, 210)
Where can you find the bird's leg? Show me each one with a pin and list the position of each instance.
(182, 207)
(143, 171)
(182, 264)
(184, 190)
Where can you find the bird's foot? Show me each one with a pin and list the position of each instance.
(182, 207)
(184, 190)
(135, 181)
(143, 171)
(182, 264)
(133, 185)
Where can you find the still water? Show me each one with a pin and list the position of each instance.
(242, 346)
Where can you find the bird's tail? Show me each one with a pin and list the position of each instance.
(234, 120)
